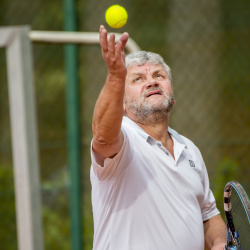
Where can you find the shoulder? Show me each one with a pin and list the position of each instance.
(114, 166)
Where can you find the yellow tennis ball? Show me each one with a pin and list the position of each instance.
(116, 16)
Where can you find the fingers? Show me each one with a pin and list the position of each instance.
(113, 54)
(108, 45)
(111, 44)
(103, 38)
(122, 42)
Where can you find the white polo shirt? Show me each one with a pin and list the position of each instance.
(143, 199)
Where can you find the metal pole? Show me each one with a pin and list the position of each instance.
(76, 38)
(24, 136)
(73, 128)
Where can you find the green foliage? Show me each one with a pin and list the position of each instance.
(8, 239)
(56, 222)
(56, 230)
(227, 170)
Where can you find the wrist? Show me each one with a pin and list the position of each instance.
(117, 74)
(116, 80)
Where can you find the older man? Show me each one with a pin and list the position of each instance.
(150, 188)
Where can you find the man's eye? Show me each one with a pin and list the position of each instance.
(158, 76)
(137, 79)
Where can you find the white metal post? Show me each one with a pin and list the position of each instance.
(23, 122)
(24, 136)
(64, 37)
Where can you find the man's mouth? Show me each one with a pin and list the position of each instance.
(154, 92)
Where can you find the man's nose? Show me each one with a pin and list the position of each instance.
(151, 83)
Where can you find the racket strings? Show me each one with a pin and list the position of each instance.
(240, 220)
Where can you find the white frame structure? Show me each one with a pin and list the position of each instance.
(76, 37)
(24, 136)
(17, 41)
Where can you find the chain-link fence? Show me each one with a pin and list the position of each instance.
(207, 46)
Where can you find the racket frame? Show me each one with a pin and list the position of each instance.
(232, 234)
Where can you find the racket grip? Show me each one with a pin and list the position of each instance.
(230, 248)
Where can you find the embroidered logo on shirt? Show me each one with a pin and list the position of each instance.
(191, 163)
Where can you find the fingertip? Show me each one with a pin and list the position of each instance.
(102, 26)
(102, 29)
(126, 33)
(124, 38)
(112, 36)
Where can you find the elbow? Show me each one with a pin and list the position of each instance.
(100, 140)
(98, 136)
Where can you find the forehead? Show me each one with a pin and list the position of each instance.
(144, 69)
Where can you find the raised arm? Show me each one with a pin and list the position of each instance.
(108, 112)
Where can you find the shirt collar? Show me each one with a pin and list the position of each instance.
(149, 138)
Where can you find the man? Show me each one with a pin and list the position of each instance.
(150, 189)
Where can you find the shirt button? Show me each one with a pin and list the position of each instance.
(158, 144)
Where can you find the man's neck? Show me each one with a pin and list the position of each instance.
(156, 128)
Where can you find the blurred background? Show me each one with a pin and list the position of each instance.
(206, 44)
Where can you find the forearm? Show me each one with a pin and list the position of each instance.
(215, 233)
(108, 111)
(107, 117)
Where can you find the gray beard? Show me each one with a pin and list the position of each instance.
(146, 113)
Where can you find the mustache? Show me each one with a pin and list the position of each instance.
(144, 94)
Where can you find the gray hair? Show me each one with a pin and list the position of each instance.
(139, 58)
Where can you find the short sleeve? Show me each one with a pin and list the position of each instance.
(209, 208)
(116, 165)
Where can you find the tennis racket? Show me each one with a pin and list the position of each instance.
(237, 212)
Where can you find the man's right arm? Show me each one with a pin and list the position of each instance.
(108, 112)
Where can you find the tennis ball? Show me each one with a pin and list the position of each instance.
(116, 16)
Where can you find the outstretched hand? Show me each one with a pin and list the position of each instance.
(113, 54)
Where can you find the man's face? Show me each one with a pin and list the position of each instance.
(148, 90)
